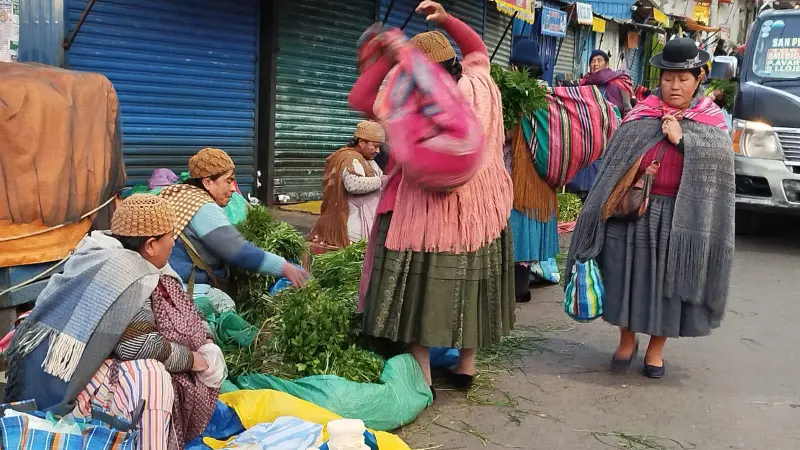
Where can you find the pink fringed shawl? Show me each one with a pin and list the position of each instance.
(472, 215)
(466, 218)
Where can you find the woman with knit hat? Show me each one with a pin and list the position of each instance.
(116, 331)
(442, 271)
(206, 240)
(351, 189)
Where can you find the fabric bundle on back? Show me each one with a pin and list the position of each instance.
(435, 136)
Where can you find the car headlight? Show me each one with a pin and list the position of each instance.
(756, 140)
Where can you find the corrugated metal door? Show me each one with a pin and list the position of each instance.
(565, 59)
(316, 69)
(185, 72)
(470, 12)
(496, 23)
(401, 10)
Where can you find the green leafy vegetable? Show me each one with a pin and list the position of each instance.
(728, 88)
(569, 207)
(522, 94)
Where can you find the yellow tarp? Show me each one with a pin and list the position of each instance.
(254, 407)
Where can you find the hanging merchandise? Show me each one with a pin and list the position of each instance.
(185, 72)
(9, 30)
(584, 13)
(316, 55)
(521, 9)
(496, 24)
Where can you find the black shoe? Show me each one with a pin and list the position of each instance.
(655, 372)
(459, 381)
(524, 298)
(622, 365)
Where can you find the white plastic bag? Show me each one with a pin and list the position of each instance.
(217, 371)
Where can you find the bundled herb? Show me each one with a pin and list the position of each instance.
(521, 93)
(340, 269)
(274, 236)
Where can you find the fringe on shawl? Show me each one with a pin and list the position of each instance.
(63, 355)
(331, 227)
(461, 221)
(701, 275)
(532, 195)
(474, 214)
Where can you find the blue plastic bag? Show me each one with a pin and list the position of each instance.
(443, 357)
(224, 423)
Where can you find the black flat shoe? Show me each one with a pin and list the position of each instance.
(622, 365)
(459, 381)
(524, 298)
(655, 372)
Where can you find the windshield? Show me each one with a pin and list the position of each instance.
(777, 52)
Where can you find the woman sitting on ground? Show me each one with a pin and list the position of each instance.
(115, 329)
(665, 273)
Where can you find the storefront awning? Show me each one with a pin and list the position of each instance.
(693, 25)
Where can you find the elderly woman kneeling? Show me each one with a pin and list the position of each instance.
(115, 329)
(665, 267)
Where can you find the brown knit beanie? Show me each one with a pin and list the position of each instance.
(143, 215)
(209, 162)
(435, 45)
(370, 131)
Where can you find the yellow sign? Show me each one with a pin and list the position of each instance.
(598, 25)
(522, 8)
(660, 17)
(701, 12)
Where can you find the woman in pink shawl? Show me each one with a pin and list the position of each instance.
(442, 270)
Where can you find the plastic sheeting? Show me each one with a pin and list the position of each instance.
(396, 400)
(61, 158)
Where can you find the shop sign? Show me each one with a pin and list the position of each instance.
(522, 9)
(554, 22)
(598, 25)
(701, 12)
(584, 12)
(9, 30)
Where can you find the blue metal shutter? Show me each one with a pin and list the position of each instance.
(471, 12)
(316, 69)
(400, 12)
(496, 23)
(185, 72)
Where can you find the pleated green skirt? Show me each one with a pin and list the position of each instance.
(441, 299)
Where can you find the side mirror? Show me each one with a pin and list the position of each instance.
(723, 68)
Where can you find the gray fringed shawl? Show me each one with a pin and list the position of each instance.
(78, 320)
(701, 247)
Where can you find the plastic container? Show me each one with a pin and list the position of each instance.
(346, 434)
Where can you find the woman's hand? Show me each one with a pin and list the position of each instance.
(384, 181)
(433, 12)
(296, 275)
(200, 364)
(672, 129)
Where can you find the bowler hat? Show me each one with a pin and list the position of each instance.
(680, 54)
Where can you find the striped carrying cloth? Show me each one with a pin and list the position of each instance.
(570, 134)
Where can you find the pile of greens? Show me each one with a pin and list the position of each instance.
(522, 94)
(302, 332)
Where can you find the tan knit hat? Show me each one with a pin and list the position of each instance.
(209, 162)
(370, 131)
(143, 215)
(435, 45)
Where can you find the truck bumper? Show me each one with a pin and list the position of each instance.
(767, 186)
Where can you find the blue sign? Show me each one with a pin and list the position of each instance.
(554, 22)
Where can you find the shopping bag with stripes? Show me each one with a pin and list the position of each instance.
(583, 297)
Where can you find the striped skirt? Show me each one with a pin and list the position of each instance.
(118, 386)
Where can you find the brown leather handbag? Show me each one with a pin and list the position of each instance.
(636, 200)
